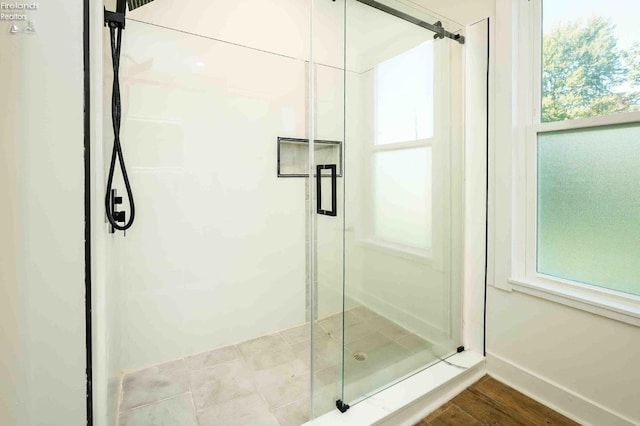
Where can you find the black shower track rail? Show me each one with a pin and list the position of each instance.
(436, 28)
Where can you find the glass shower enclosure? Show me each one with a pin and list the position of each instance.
(299, 193)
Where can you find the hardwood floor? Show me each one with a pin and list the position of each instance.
(490, 402)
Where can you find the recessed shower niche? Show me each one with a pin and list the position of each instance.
(293, 156)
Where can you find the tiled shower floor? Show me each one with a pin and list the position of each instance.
(265, 381)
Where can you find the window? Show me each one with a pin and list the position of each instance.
(590, 58)
(579, 237)
(401, 209)
(401, 149)
(404, 96)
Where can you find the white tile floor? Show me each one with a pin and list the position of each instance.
(265, 381)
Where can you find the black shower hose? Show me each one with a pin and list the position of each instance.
(116, 114)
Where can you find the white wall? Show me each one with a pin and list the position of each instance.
(42, 346)
(589, 363)
(581, 364)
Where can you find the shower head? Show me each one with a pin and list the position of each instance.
(134, 4)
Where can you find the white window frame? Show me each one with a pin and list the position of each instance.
(524, 276)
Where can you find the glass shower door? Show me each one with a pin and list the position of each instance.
(399, 210)
(385, 200)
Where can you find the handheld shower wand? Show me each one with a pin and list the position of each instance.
(116, 23)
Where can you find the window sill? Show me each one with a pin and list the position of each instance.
(608, 303)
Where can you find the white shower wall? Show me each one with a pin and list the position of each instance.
(216, 255)
(217, 251)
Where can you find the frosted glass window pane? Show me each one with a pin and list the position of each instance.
(589, 206)
(402, 197)
(404, 96)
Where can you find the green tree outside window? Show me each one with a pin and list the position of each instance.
(586, 74)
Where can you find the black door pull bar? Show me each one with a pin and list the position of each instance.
(334, 186)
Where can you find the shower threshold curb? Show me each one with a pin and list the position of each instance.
(410, 400)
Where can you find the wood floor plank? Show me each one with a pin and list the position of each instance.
(454, 416)
(426, 421)
(490, 402)
(520, 406)
(483, 409)
(433, 415)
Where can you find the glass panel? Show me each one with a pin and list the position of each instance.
(590, 58)
(402, 197)
(589, 206)
(402, 228)
(328, 105)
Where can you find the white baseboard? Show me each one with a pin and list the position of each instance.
(554, 396)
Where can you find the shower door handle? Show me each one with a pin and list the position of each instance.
(334, 187)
